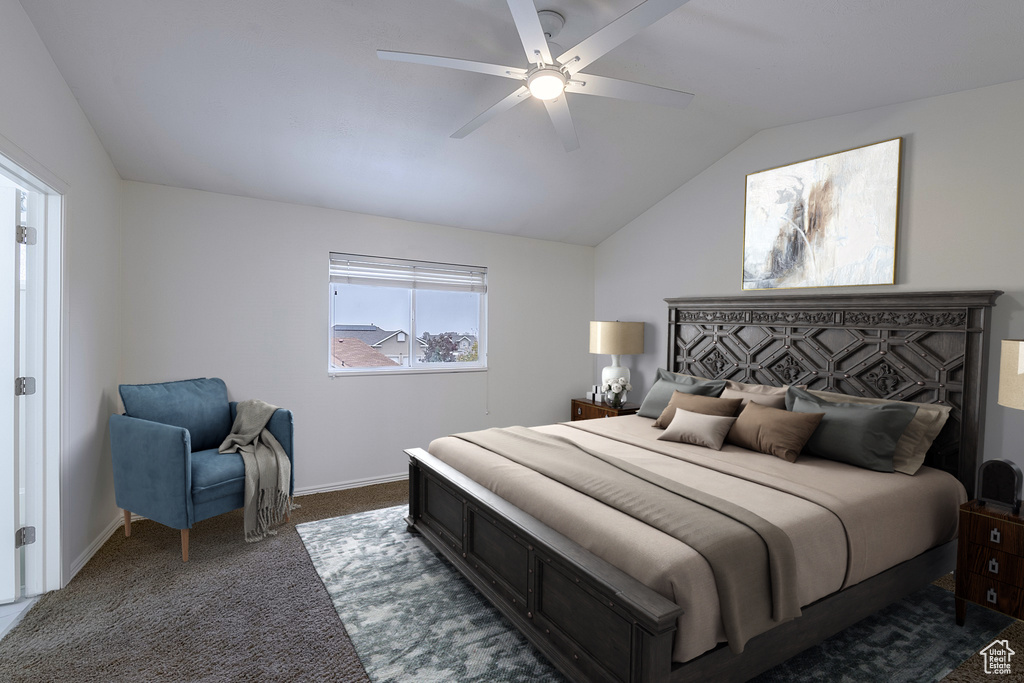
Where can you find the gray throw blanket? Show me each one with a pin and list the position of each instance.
(268, 471)
(752, 560)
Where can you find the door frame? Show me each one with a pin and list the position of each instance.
(43, 560)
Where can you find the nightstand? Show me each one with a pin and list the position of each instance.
(585, 409)
(990, 560)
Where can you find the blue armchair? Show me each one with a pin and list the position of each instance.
(164, 450)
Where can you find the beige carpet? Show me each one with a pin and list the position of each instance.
(234, 612)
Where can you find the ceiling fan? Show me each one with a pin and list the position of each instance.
(548, 77)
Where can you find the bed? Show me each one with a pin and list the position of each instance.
(596, 622)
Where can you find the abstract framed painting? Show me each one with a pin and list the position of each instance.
(824, 222)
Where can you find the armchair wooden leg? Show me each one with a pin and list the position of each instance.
(127, 523)
(184, 545)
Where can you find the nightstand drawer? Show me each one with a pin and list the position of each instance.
(994, 533)
(994, 564)
(995, 595)
(582, 411)
(585, 409)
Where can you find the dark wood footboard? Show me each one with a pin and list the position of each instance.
(595, 623)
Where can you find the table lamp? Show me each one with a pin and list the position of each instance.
(1011, 374)
(1000, 480)
(616, 339)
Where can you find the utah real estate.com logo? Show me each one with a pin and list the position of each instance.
(997, 657)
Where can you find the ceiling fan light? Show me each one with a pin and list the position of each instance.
(546, 84)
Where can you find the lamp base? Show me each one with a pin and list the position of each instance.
(614, 371)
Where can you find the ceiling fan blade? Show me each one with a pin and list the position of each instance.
(616, 33)
(602, 86)
(558, 110)
(452, 63)
(520, 95)
(524, 14)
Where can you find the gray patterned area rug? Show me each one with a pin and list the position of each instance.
(413, 618)
(915, 640)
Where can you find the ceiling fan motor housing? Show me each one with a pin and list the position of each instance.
(551, 22)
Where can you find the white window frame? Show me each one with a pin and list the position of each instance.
(412, 275)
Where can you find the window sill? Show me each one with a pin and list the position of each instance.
(404, 371)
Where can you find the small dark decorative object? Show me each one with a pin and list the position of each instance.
(999, 482)
(717, 362)
(885, 378)
(790, 370)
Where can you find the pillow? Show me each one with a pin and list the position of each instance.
(773, 431)
(858, 434)
(764, 394)
(198, 405)
(772, 400)
(661, 393)
(913, 446)
(705, 405)
(697, 428)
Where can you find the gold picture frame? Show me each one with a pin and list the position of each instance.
(830, 221)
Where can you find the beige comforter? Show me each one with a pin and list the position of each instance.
(752, 560)
(846, 524)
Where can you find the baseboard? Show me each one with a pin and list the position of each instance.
(97, 543)
(308, 490)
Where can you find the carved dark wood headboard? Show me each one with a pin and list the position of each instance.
(923, 347)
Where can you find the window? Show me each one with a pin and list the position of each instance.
(393, 315)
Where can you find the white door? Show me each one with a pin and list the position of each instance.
(10, 495)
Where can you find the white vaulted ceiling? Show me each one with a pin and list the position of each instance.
(286, 100)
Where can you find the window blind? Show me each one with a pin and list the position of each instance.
(380, 272)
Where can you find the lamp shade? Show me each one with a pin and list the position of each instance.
(616, 338)
(1011, 373)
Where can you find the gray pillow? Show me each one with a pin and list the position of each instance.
(698, 428)
(857, 434)
(661, 393)
(916, 440)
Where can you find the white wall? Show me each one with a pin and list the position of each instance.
(215, 285)
(43, 128)
(961, 222)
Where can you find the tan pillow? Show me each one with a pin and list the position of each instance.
(706, 405)
(755, 388)
(913, 445)
(773, 400)
(764, 394)
(773, 431)
(697, 428)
